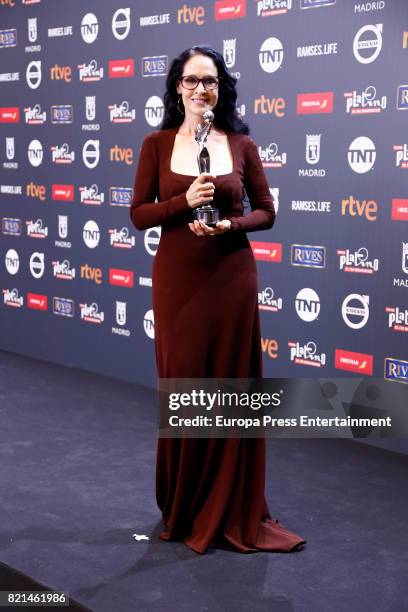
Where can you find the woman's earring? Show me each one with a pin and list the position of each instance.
(180, 110)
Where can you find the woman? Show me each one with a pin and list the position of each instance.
(210, 491)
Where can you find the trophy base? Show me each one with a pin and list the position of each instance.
(207, 214)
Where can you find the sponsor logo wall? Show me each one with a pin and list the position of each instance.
(324, 87)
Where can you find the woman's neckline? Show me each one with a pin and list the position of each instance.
(175, 133)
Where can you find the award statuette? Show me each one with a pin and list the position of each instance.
(206, 213)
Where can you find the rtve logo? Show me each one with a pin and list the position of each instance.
(7, 2)
(270, 347)
(61, 73)
(270, 106)
(354, 207)
(89, 273)
(195, 14)
(35, 191)
(119, 154)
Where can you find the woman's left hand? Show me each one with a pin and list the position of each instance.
(199, 228)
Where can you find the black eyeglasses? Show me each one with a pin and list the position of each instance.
(191, 82)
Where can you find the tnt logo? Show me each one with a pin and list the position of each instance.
(271, 54)
(361, 154)
(89, 28)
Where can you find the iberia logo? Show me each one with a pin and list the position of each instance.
(267, 251)
(119, 69)
(229, 9)
(124, 278)
(399, 210)
(63, 192)
(353, 362)
(315, 103)
(10, 114)
(38, 302)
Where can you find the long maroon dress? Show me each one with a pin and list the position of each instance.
(210, 491)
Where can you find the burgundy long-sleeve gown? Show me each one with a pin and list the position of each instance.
(210, 491)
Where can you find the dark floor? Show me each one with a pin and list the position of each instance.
(77, 481)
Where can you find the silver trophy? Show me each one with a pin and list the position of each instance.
(206, 213)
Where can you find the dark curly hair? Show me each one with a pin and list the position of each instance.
(226, 117)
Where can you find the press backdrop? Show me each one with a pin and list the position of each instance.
(323, 85)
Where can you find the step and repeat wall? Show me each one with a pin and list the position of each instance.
(323, 85)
